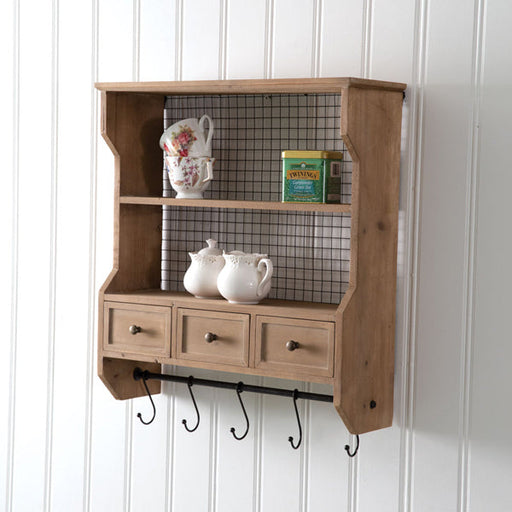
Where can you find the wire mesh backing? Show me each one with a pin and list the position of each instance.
(250, 133)
(310, 251)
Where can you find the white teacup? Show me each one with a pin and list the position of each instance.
(188, 138)
(189, 176)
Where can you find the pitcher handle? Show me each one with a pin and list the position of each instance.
(268, 274)
(210, 130)
(209, 170)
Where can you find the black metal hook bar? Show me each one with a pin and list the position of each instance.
(290, 439)
(190, 383)
(239, 390)
(139, 415)
(138, 374)
(347, 448)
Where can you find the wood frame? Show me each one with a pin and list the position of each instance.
(364, 321)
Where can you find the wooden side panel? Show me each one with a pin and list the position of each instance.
(132, 125)
(371, 124)
(117, 375)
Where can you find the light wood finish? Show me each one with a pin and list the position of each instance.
(246, 205)
(282, 308)
(313, 353)
(364, 322)
(371, 124)
(137, 329)
(117, 375)
(273, 86)
(230, 333)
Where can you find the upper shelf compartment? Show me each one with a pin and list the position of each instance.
(255, 120)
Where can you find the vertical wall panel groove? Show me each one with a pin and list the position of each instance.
(11, 413)
(178, 69)
(258, 451)
(223, 39)
(306, 451)
(269, 39)
(53, 257)
(170, 390)
(470, 258)
(317, 40)
(136, 39)
(91, 290)
(129, 432)
(213, 448)
(416, 101)
(366, 51)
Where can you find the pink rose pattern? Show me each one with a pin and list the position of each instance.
(181, 141)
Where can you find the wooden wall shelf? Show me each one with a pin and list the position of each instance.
(349, 345)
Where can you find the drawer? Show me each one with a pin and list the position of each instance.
(297, 347)
(137, 329)
(213, 337)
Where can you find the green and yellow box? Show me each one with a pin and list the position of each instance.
(312, 176)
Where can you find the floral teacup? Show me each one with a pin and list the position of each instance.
(188, 138)
(189, 176)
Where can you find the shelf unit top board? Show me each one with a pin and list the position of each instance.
(277, 85)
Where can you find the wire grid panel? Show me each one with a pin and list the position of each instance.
(310, 251)
(252, 130)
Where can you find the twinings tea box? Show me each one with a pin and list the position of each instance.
(312, 176)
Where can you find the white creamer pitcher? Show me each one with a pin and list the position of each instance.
(245, 278)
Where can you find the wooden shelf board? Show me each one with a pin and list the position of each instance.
(246, 205)
(278, 85)
(287, 308)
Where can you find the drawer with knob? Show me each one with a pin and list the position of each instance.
(293, 346)
(137, 329)
(212, 337)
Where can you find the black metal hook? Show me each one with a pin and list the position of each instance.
(290, 439)
(190, 383)
(347, 448)
(239, 389)
(139, 374)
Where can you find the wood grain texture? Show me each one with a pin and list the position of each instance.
(154, 323)
(231, 332)
(276, 85)
(313, 355)
(363, 346)
(247, 205)
(371, 124)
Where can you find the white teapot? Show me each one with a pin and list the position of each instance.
(201, 277)
(245, 278)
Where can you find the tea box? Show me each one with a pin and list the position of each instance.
(311, 176)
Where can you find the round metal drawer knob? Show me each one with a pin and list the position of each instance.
(292, 345)
(134, 329)
(209, 337)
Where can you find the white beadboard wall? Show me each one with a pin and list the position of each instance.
(67, 445)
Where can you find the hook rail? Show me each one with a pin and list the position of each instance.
(239, 387)
(304, 395)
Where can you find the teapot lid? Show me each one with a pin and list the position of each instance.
(212, 249)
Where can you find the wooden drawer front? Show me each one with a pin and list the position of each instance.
(314, 354)
(231, 331)
(154, 337)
